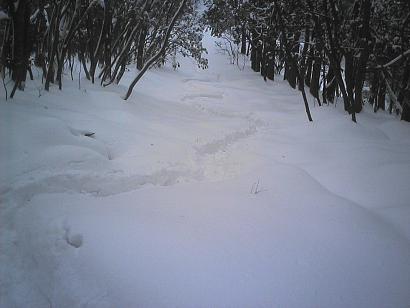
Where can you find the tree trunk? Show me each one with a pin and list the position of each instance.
(107, 40)
(243, 40)
(315, 81)
(309, 64)
(141, 47)
(364, 40)
(20, 60)
(54, 36)
(403, 97)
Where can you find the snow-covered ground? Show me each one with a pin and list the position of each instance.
(206, 189)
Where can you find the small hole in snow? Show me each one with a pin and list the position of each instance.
(75, 240)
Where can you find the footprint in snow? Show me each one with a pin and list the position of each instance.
(74, 240)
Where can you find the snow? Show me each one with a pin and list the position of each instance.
(3, 15)
(159, 207)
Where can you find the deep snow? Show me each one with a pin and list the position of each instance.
(206, 189)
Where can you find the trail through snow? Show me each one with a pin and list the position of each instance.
(207, 189)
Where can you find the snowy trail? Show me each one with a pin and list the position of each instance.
(207, 189)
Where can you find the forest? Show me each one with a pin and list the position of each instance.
(205, 153)
(357, 50)
(108, 35)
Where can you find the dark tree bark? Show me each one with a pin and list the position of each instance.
(364, 46)
(258, 56)
(315, 80)
(141, 47)
(293, 60)
(243, 40)
(22, 46)
(54, 36)
(95, 33)
(332, 54)
(404, 95)
(331, 85)
(305, 52)
(270, 62)
(107, 39)
(381, 97)
(309, 65)
(349, 75)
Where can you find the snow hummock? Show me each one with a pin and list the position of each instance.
(205, 189)
(3, 15)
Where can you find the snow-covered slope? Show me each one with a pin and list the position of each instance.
(205, 189)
